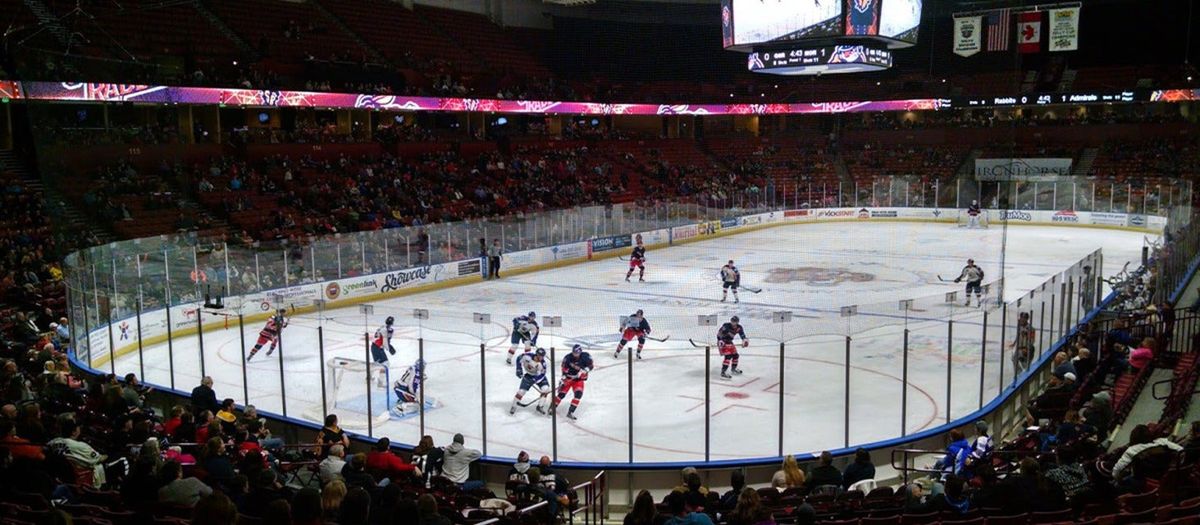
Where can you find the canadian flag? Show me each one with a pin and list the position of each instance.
(1029, 32)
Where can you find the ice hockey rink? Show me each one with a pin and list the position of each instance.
(810, 269)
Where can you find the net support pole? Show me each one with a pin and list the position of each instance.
(846, 400)
(553, 408)
(141, 355)
(949, 366)
(707, 402)
(1003, 333)
(170, 346)
(421, 392)
(483, 397)
(781, 377)
(321, 356)
(245, 381)
(200, 337)
(367, 376)
(282, 383)
(629, 401)
(904, 389)
(983, 358)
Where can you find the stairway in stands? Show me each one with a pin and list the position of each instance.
(56, 205)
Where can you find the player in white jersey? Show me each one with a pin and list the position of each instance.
(524, 330)
(380, 343)
(408, 388)
(730, 279)
(635, 327)
(974, 277)
(531, 370)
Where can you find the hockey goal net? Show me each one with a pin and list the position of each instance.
(964, 219)
(352, 395)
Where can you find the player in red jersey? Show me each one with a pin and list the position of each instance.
(269, 334)
(575, 368)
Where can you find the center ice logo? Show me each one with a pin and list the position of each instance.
(814, 276)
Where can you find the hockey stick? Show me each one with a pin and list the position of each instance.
(695, 344)
(943, 279)
(751, 289)
(663, 340)
(623, 258)
(538, 399)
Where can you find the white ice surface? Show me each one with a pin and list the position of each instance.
(876, 265)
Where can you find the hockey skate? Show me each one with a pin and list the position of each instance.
(736, 371)
(641, 279)
(508, 361)
(626, 278)
(736, 300)
(512, 410)
(271, 350)
(542, 410)
(725, 375)
(571, 415)
(639, 356)
(723, 298)
(617, 354)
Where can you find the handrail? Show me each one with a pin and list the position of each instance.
(1172, 394)
(592, 508)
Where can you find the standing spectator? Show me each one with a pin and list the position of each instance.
(330, 468)
(204, 398)
(483, 257)
(824, 473)
(494, 254)
(861, 469)
(456, 464)
(1022, 346)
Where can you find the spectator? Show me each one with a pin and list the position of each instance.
(1143, 355)
(457, 463)
(178, 490)
(384, 461)
(1084, 364)
(331, 434)
(278, 512)
(1098, 412)
(218, 466)
(80, 454)
(750, 510)
(981, 448)
(824, 474)
(204, 398)
(331, 500)
(306, 507)
(18, 447)
(737, 480)
(1062, 364)
(1141, 442)
(355, 473)
(861, 469)
(356, 508)
(427, 458)
(644, 512)
(1023, 345)
(227, 417)
(519, 472)
(1068, 473)
(793, 476)
(330, 468)
(427, 510)
(952, 499)
(266, 490)
(214, 509)
(683, 511)
(956, 453)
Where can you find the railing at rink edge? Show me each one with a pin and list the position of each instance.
(1055, 305)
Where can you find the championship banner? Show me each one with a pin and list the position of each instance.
(1064, 29)
(1030, 170)
(968, 38)
(1029, 32)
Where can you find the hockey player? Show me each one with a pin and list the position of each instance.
(634, 326)
(637, 259)
(524, 330)
(381, 342)
(269, 333)
(974, 277)
(728, 350)
(730, 279)
(973, 212)
(531, 370)
(408, 388)
(575, 368)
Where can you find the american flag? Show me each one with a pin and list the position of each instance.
(999, 24)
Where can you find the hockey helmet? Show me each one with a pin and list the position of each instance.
(532, 315)
(420, 364)
(540, 352)
(970, 261)
(734, 319)
(639, 312)
(577, 349)
(390, 320)
(731, 262)
(280, 312)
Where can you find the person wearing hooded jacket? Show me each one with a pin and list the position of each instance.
(956, 453)
(456, 464)
(520, 470)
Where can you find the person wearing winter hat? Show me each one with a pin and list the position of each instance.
(1098, 412)
(520, 470)
(981, 447)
